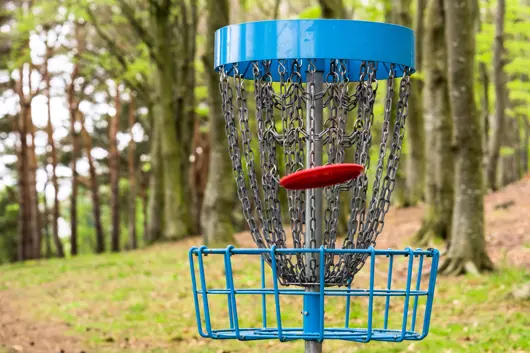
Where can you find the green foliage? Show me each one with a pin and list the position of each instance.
(9, 208)
(517, 50)
(311, 12)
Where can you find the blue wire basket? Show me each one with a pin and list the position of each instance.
(394, 305)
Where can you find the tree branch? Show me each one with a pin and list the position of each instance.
(128, 11)
(118, 54)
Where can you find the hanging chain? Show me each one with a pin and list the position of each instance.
(284, 145)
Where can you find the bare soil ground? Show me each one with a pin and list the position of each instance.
(507, 236)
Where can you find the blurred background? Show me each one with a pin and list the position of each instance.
(112, 164)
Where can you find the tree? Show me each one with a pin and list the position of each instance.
(466, 252)
(499, 78)
(133, 242)
(219, 196)
(439, 159)
(53, 152)
(96, 205)
(170, 31)
(415, 161)
(332, 8)
(114, 159)
(73, 108)
(30, 237)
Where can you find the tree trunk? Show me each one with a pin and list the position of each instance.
(499, 78)
(484, 79)
(114, 172)
(437, 218)
(439, 171)
(415, 160)
(156, 185)
(177, 220)
(187, 118)
(199, 170)
(525, 146)
(53, 151)
(73, 107)
(25, 243)
(33, 199)
(143, 196)
(467, 251)
(332, 9)
(73, 195)
(219, 200)
(47, 235)
(96, 205)
(133, 242)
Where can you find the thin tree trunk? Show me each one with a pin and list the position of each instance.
(525, 146)
(73, 105)
(133, 242)
(33, 199)
(25, 241)
(499, 78)
(199, 170)
(219, 200)
(439, 171)
(47, 235)
(415, 158)
(484, 79)
(53, 152)
(143, 196)
(75, 182)
(467, 251)
(94, 189)
(114, 173)
(156, 186)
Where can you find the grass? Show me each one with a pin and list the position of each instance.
(141, 302)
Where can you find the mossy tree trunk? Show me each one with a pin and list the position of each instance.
(169, 37)
(177, 220)
(467, 250)
(155, 212)
(438, 152)
(220, 196)
(415, 161)
(499, 80)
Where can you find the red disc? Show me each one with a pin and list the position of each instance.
(322, 176)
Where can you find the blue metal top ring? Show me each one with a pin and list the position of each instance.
(320, 40)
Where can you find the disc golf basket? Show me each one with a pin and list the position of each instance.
(305, 135)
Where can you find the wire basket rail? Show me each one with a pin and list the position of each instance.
(389, 311)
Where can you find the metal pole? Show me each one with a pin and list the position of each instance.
(312, 303)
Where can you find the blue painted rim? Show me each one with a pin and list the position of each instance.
(320, 40)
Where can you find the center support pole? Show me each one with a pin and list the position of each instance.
(313, 231)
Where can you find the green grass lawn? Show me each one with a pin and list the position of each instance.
(141, 302)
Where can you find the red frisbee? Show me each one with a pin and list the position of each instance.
(322, 176)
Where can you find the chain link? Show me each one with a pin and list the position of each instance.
(284, 140)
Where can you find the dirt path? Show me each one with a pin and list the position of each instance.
(19, 333)
(507, 236)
